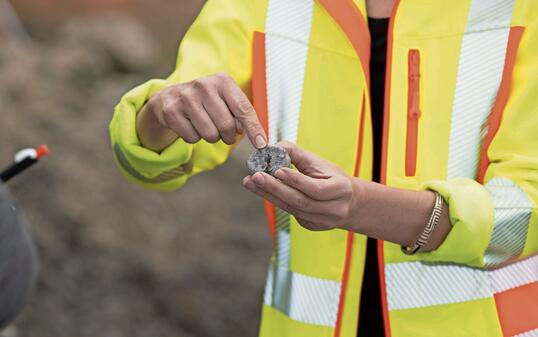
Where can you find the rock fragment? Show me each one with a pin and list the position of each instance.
(268, 160)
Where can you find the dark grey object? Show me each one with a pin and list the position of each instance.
(268, 160)
(19, 266)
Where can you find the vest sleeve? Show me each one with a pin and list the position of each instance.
(497, 222)
(219, 41)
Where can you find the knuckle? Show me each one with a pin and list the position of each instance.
(228, 126)
(154, 102)
(245, 107)
(223, 76)
(189, 139)
(201, 85)
(168, 114)
(212, 137)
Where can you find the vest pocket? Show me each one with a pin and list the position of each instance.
(413, 112)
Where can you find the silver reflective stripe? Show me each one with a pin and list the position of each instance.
(417, 284)
(283, 239)
(514, 275)
(531, 333)
(512, 215)
(481, 64)
(302, 298)
(288, 27)
(162, 178)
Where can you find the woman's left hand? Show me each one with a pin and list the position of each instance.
(320, 195)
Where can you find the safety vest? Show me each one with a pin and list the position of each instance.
(461, 118)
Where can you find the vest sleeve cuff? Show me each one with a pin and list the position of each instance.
(162, 171)
(471, 215)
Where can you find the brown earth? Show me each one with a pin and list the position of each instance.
(117, 260)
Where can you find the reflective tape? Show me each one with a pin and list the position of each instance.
(513, 210)
(418, 284)
(481, 64)
(514, 275)
(531, 333)
(302, 298)
(288, 27)
(282, 238)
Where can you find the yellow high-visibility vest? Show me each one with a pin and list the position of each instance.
(461, 118)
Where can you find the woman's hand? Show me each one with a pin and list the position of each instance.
(320, 195)
(210, 108)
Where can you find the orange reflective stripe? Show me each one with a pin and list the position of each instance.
(502, 98)
(518, 309)
(349, 17)
(259, 86)
(259, 100)
(345, 279)
(349, 242)
(356, 171)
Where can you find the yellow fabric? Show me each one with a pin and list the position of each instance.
(334, 87)
(514, 150)
(274, 324)
(465, 319)
(513, 154)
(221, 24)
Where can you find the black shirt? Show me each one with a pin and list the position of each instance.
(371, 315)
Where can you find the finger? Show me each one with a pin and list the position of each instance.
(318, 189)
(239, 127)
(293, 197)
(302, 159)
(203, 124)
(177, 122)
(249, 184)
(221, 116)
(243, 111)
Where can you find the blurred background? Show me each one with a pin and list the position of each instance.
(117, 260)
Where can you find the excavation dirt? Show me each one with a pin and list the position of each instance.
(117, 260)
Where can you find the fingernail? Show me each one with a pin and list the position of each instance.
(258, 179)
(260, 141)
(280, 174)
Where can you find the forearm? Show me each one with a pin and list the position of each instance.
(151, 133)
(396, 215)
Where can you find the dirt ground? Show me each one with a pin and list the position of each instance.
(117, 260)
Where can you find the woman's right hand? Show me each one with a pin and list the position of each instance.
(210, 108)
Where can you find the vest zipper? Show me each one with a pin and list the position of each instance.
(413, 112)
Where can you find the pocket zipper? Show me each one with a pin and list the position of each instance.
(413, 112)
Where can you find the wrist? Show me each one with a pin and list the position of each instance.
(151, 133)
(362, 193)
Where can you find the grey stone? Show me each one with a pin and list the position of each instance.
(268, 160)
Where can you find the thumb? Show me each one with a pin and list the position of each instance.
(303, 160)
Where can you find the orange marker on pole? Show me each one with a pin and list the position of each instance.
(23, 160)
